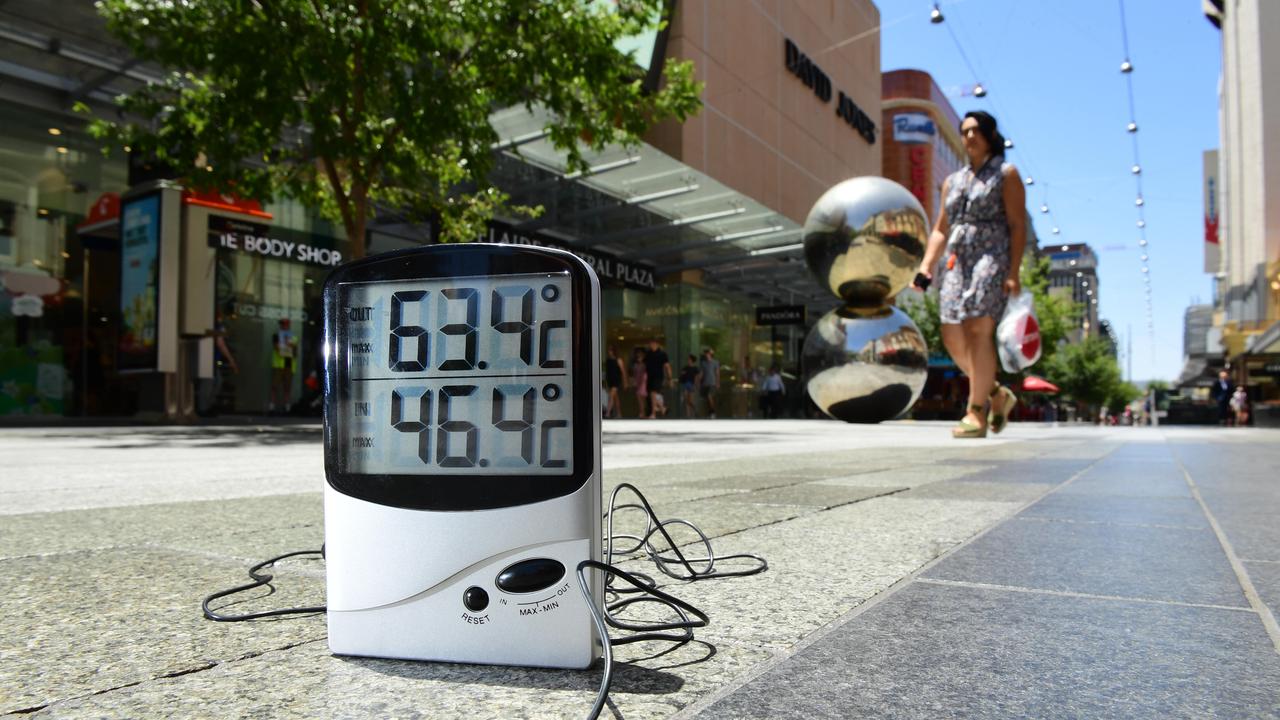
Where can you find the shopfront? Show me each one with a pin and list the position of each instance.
(267, 305)
(60, 268)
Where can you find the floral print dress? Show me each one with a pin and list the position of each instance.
(977, 254)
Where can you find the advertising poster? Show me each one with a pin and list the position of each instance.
(1212, 246)
(139, 284)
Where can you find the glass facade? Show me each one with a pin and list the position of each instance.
(269, 312)
(59, 312)
(685, 319)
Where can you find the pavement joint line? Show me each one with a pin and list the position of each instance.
(165, 676)
(1242, 575)
(693, 709)
(1073, 521)
(1083, 596)
(1251, 560)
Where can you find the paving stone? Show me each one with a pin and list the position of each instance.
(1168, 511)
(87, 622)
(1117, 560)
(932, 651)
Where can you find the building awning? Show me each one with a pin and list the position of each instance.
(642, 205)
(1193, 373)
(1266, 342)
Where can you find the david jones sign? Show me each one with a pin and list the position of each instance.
(811, 75)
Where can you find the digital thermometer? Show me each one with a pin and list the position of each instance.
(462, 453)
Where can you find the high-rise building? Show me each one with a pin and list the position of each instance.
(922, 143)
(1073, 274)
(1244, 212)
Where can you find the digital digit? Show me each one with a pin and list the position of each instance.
(400, 331)
(449, 427)
(524, 425)
(524, 325)
(546, 428)
(422, 425)
(543, 343)
(467, 329)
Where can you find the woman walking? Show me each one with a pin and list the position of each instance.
(982, 230)
(639, 379)
(615, 377)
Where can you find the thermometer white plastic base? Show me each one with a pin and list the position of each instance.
(400, 581)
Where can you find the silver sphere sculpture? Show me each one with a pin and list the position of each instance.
(865, 365)
(864, 240)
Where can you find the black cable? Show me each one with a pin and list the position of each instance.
(260, 579)
(678, 567)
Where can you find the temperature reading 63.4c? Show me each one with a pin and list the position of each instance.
(464, 375)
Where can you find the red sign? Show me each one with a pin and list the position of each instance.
(226, 202)
(919, 156)
(1030, 332)
(105, 210)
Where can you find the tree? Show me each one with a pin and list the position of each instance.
(351, 106)
(1086, 372)
(923, 310)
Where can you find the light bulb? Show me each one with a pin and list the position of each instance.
(1008, 144)
(1139, 202)
(1126, 67)
(1133, 127)
(1056, 231)
(1031, 180)
(1142, 223)
(1136, 169)
(1044, 208)
(979, 91)
(935, 16)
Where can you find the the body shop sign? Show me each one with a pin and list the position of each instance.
(139, 284)
(277, 243)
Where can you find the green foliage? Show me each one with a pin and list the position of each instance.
(1087, 373)
(351, 105)
(1121, 395)
(923, 310)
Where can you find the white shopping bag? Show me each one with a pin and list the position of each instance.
(1018, 334)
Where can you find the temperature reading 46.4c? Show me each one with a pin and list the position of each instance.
(467, 426)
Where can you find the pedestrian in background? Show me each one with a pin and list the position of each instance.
(639, 380)
(689, 384)
(615, 378)
(657, 367)
(981, 233)
(1221, 393)
(772, 391)
(709, 379)
(222, 359)
(284, 358)
(1240, 406)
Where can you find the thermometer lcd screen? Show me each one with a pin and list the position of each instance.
(457, 376)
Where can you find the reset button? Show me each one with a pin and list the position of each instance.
(476, 599)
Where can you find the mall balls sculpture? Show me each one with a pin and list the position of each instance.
(865, 361)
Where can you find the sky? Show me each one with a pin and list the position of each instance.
(1052, 72)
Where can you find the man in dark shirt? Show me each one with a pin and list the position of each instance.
(1221, 393)
(658, 368)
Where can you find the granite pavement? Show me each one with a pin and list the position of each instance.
(1053, 571)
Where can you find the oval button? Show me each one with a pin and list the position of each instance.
(529, 576)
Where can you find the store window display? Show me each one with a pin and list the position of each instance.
(58, 281)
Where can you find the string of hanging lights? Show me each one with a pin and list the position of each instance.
(1126, 69)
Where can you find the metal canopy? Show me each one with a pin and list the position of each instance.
(643, 205)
